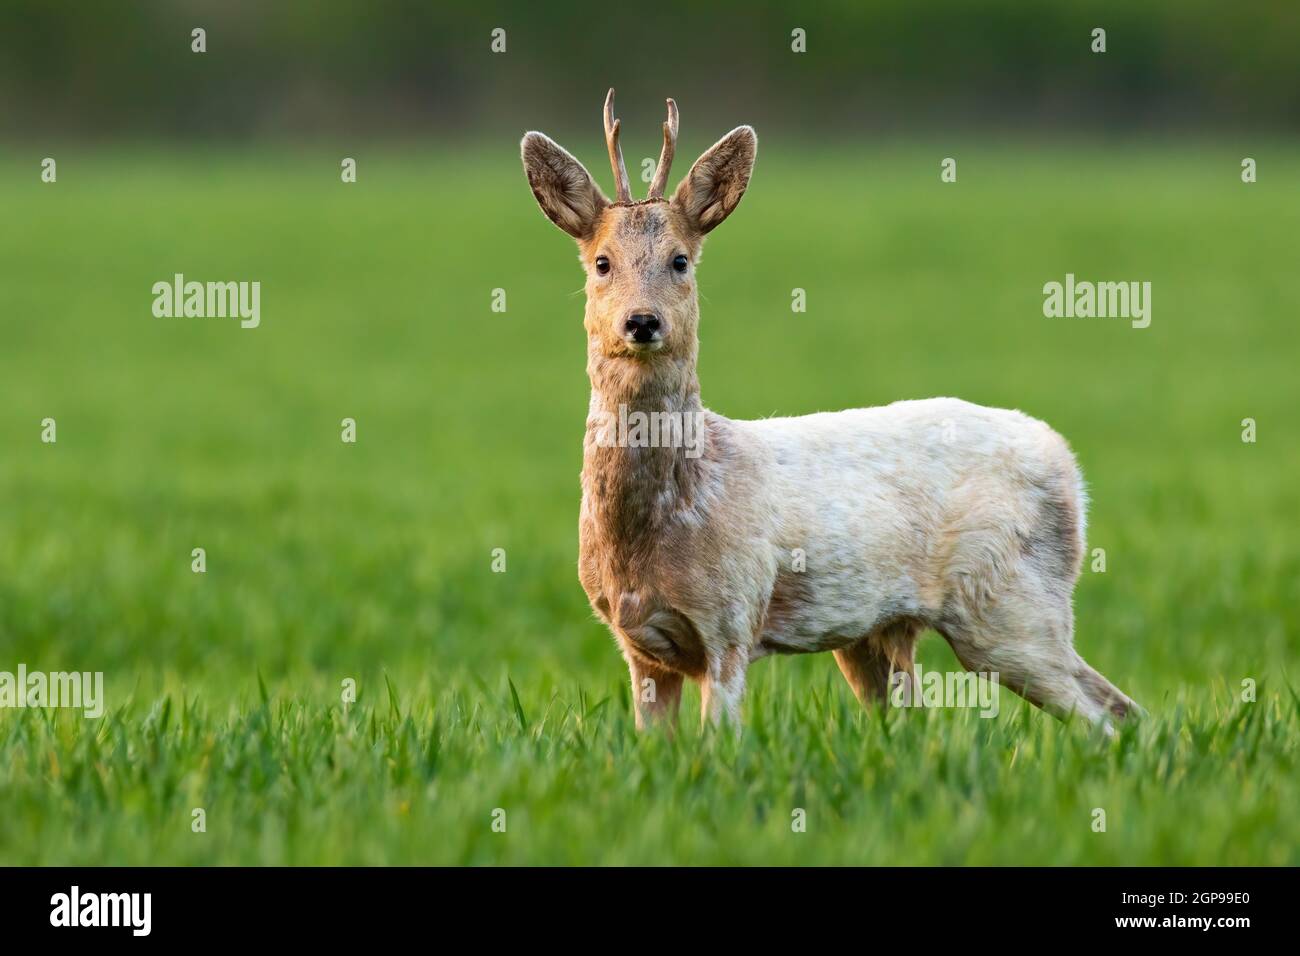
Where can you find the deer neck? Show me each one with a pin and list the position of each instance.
(634, 481)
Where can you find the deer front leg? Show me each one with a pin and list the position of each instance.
(656, 692)
(723, 687)
(871, 663)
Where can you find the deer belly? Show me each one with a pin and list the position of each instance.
(810, 612)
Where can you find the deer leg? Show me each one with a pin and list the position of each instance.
(723, 687)
(869, 663)
(656, 692)
(1027, 639)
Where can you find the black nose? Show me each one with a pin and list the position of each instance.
(642, 327)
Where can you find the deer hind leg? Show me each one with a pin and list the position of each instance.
(1027, 637)
(868, 663)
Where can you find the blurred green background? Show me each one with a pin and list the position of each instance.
(373, 561)
(414, 69)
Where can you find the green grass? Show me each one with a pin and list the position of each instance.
(373, 561)
(300, 781)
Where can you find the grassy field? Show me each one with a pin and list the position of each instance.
(372, 561)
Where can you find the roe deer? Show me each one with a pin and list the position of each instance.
(921, 514)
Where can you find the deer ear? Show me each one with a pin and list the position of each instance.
(563, 187)
(713, 187)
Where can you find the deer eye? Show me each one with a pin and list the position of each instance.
(680, 263)
(602, 265)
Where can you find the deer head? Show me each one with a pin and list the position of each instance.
(640, 256)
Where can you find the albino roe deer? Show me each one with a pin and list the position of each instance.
(848, 532)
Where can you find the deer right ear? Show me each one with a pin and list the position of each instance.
(718, 179)
(563, 187)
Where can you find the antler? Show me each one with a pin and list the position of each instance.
(624, 191)
(665, 154)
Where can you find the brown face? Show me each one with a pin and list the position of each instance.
(640, 264)
(640, 256)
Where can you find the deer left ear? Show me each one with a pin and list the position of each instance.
(563, 187)
(713, 187)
